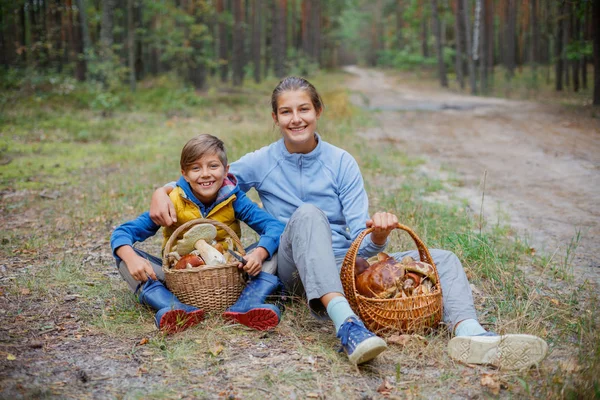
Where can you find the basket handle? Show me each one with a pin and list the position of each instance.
(197, 221)
(347, 272)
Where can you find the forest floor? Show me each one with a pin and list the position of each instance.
(70, 329)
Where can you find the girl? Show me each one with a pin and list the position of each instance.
(317, 190)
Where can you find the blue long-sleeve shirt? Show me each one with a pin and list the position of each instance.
(328, 177)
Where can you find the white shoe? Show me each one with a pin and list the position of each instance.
(504, 352)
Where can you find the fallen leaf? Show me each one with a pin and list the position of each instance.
(312, 395)
(385, 387)
(11, 357)
(216, 349)
(555, 302)
(491, 382)
(25, 291)
(143, 341)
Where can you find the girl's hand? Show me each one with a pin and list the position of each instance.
(383, 223)
(254, 260)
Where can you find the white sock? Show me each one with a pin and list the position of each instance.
(469, 327)
(339, 310)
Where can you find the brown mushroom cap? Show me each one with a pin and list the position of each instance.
(206, 232)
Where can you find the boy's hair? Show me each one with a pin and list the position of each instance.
(296, 83)
(200, 146)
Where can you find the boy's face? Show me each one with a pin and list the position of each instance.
(206, 176)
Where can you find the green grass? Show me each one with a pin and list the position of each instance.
(104, 169)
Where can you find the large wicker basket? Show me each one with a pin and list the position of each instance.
(414, 314)
(212, 288)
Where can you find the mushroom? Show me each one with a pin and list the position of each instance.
(187, 243)
(209, 254)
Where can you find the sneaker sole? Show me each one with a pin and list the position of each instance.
(504, 352)
(178, 320)
(367, 350)
(261, 319)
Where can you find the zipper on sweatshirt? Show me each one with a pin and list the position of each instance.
(301, 179)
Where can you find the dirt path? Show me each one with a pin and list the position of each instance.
(542, 162)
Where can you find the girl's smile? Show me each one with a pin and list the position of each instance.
(297, 120)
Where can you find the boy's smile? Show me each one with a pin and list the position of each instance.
(205, 177)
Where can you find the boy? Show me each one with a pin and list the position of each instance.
(205, 190)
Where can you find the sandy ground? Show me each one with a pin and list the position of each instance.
(536, 165)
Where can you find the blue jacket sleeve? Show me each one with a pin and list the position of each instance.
(263, 223)
(133, 231)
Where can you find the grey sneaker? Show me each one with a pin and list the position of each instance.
(504, 352)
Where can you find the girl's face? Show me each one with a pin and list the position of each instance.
(297, 119)
(206, 176)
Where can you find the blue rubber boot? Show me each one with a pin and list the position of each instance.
(172, 315)
(250, 309)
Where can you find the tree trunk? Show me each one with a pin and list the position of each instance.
(130, 44)
(458, 34)
(223, 53)
(438, 41)
(399, 23)
(558, 53)
(575, 37)
(469, 49)
(510, 36)
(197, 67)
(80, 65)
(87, 41)
(596, 38)
(566, 40)
(424, 36)
(238, 56)
(533, 43)
(106, 29)
(256, 35)
(139, 49)
(488, 40)
(278, 37)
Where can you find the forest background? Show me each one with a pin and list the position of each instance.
(97, 98)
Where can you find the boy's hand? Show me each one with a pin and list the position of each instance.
(162, 210)
(254, 260)
(140, 269)
(383, 223)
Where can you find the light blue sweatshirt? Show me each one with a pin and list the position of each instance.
(328, 178)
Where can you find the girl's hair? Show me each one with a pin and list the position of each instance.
(200, 146)
(292, 83)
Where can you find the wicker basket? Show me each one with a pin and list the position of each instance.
(412, 314)
(212, 288)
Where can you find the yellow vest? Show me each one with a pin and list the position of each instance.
(186, 211)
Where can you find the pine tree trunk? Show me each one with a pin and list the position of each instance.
(558, 53)
(439, 46)
(222, 35)
(533, 43)
(469, 49)
(575, 31)
(106, 29)
(510, 36)
(237, 56)
(130, 44)
(399, 23)
(278, 38)
(256, 35)
(458, 34)
(596, 51)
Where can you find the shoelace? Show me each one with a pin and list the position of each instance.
(344, 332)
